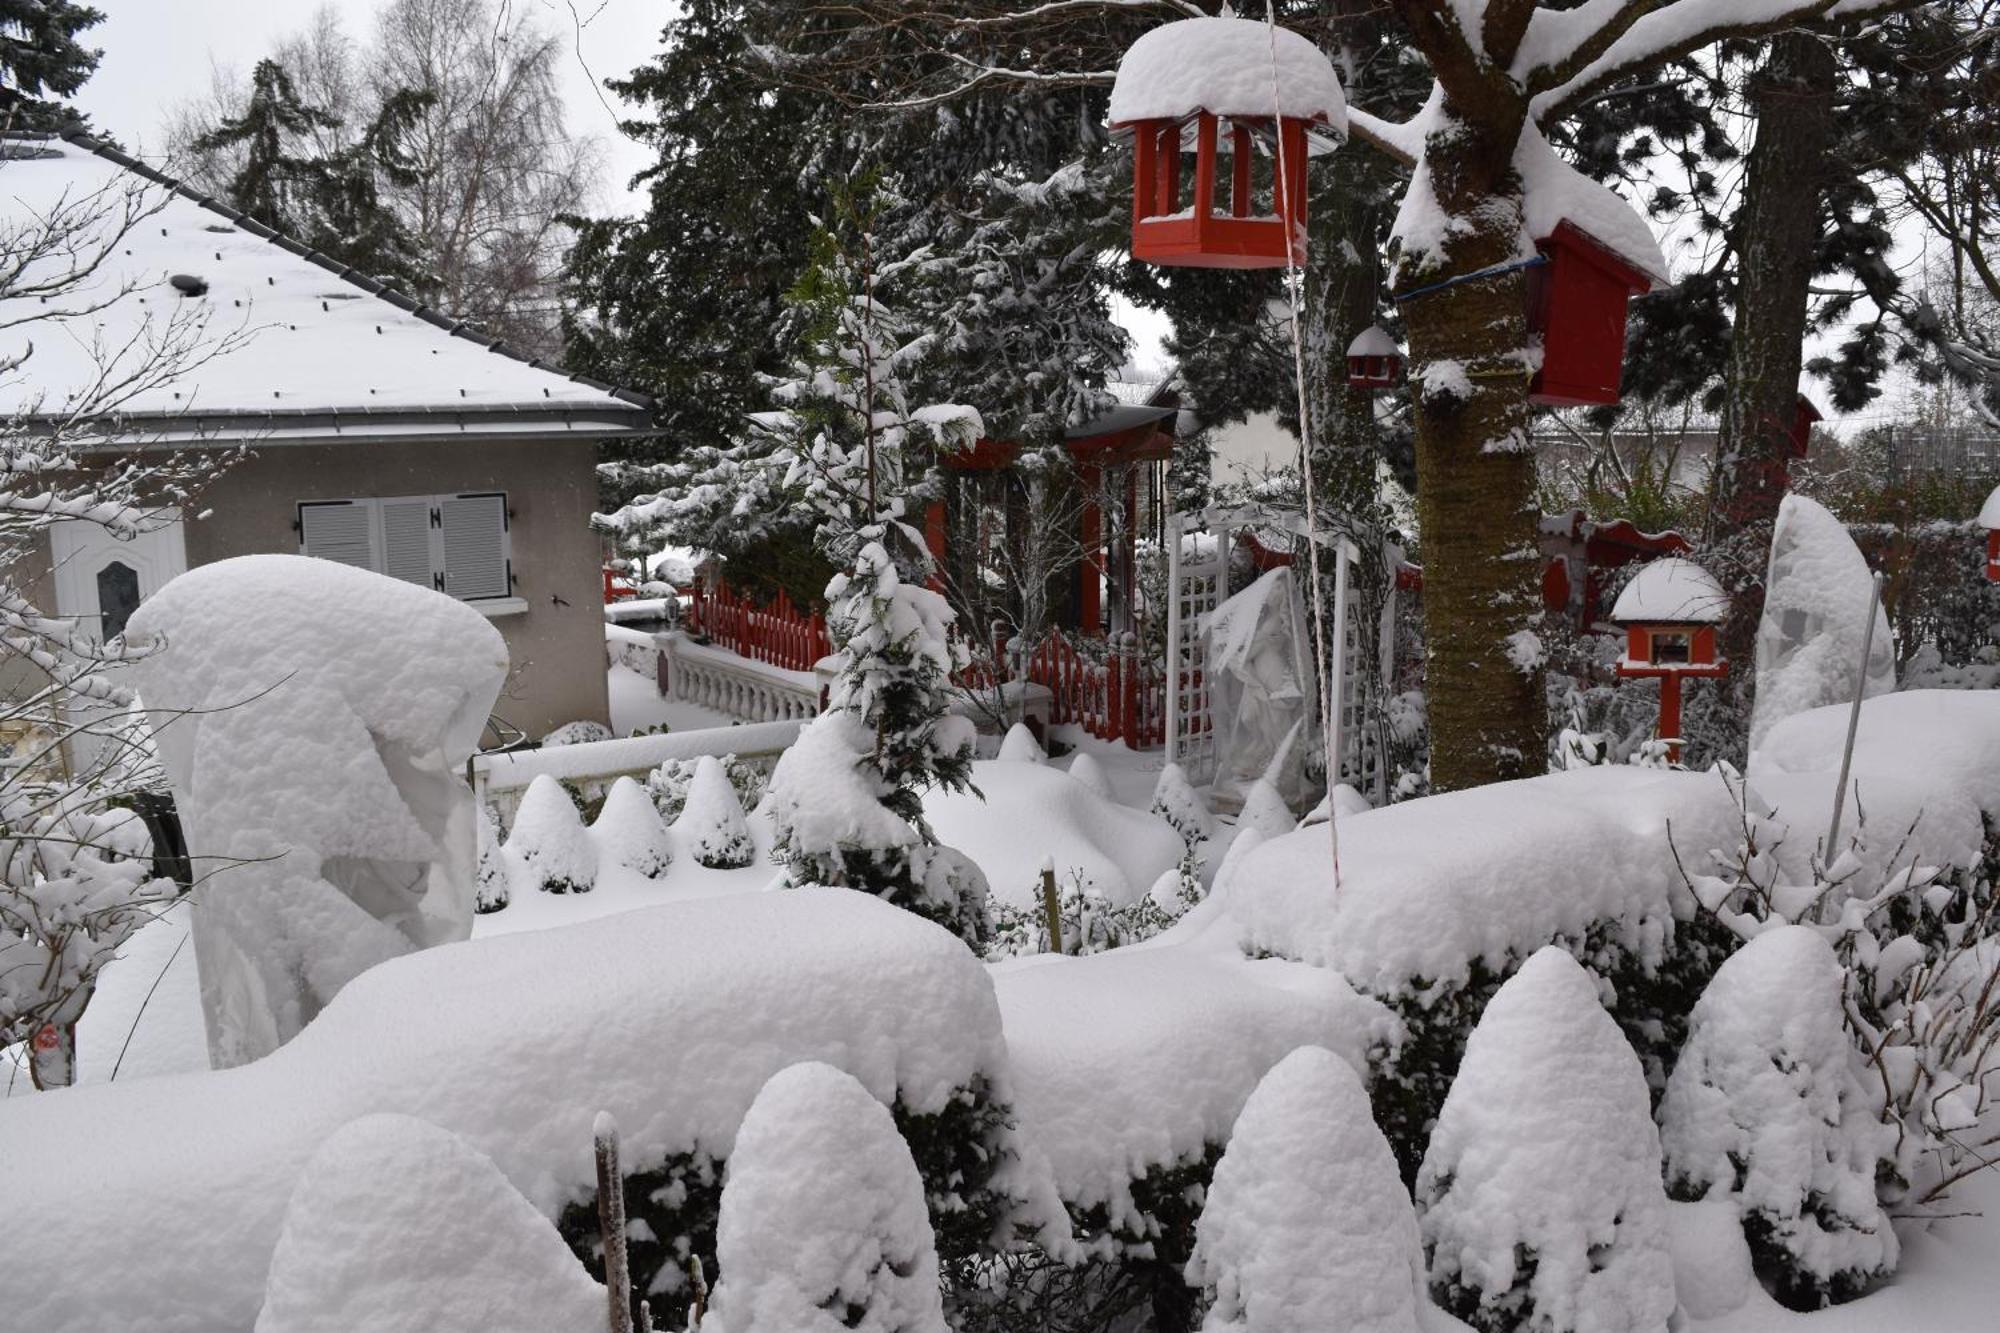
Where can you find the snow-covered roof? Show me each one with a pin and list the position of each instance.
(1227, 67)
(1553, 192)
(1373, 341)
(284, 336)
(1989, 513)
(1671, 591)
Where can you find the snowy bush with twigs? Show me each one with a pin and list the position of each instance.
(492, 887)
(669, 783)
(629, 833)
(551, 841)
(712, 823)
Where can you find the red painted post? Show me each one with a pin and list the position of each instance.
(1670, 713)
(1091, 523)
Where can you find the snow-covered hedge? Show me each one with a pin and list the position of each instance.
(671, 1018)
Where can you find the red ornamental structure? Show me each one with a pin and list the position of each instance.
(1187, 92)
(1373, 360)
(1989, 518)
(1669, 612)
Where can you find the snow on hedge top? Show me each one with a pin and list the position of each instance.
(291, 334)
(398, 1226)
(1225, 66)
(670, 1017)
(1430, 886)
(1140, 1057)
(1307, 1226)
(1671, 591)
(288, 742)
(1989, 513)
(823, 1226)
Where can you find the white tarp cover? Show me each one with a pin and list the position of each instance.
(1263, 687)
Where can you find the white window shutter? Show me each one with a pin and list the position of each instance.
(406, 541)
(340, 530)
(475, 545)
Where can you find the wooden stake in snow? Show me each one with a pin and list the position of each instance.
(1052, 904)
(611, 1221)
(1854, 717)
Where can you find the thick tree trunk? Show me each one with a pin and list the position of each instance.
(1777, 231)
(1476, 467)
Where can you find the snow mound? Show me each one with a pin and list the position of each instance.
(1430, 886)
(1265, 811)
(1020, 746)
(1546, 1147)
(397, 1226)
(824, 799)
(823, 1226)
(670, 1017)
(1306, 1225)
(1671, 591)
(1225, 66)
(1989, 513)
(1816, 608)
(1176, 801)
(549, 837)
(1139, 1057)
(1086, 770)
(629, 833)
(144, 1017)
(331, 775)
(1032, 813)
(712, 820)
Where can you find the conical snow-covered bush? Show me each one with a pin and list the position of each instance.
(1765, 1107)
(1091, 774)
(1020, 745)
(549, 837)
(822, 1226)
(629, 832)
(1265, 810)
(491, 890)
(712, 822)
(1176, 801)
(1539, 1200)
(1306, 1227)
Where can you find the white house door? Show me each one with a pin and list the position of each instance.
(101, 580)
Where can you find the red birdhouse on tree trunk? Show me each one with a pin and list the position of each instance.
(1989, 518)
(1191, 91)
(1577, 303)
(1669, 612)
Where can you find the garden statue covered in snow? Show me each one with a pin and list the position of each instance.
(1263, 686)
(313, 720)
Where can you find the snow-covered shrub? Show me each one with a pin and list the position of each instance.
(1086, 770)
(577, 733)
(1539, 1200)
(1765, 1107)
(1264, 809)
(1176, 801)
(551, 841)
(1019, 745)
(629, 832)
(1306, 1226)
(397, 1226)
(1089, 922)
(711, 821)
(668, 784)
(492, 886)
(822, 1226)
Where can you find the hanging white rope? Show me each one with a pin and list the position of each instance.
(1295, 296)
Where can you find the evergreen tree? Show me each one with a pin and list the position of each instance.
(40, 55)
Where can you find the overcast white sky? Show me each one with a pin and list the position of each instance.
(158, 53)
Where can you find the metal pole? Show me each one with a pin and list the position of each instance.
(1173, 637)
(1854, 716)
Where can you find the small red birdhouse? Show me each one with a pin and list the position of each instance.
(1190, 92)
(1669, 612)
(1576, 302)
(1804, 417)
(1989, 518)
(1373, 360)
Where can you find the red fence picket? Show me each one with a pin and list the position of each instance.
(778, 634)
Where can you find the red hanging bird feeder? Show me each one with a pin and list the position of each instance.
(1989, 518)
(1205, 86)
(1669, 612)
(1373, 360)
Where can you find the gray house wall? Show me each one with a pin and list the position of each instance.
(556, 645)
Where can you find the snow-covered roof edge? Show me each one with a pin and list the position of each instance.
(641, 404)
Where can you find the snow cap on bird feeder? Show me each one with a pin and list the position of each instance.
(1214, 85)
(1373, 360)
(1989, 518)
(1597, 253)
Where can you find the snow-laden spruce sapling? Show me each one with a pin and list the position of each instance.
(1090, 773)
(491, 890)
(712, 823)
(1306, 1226)
(629, 832)
(668, 784)
(1539, 1199)
(1020, 745)
(823, 1226)
(1766, 1107)
(549, 837)
(1176, 801)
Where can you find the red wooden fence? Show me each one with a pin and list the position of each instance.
(777, 634)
